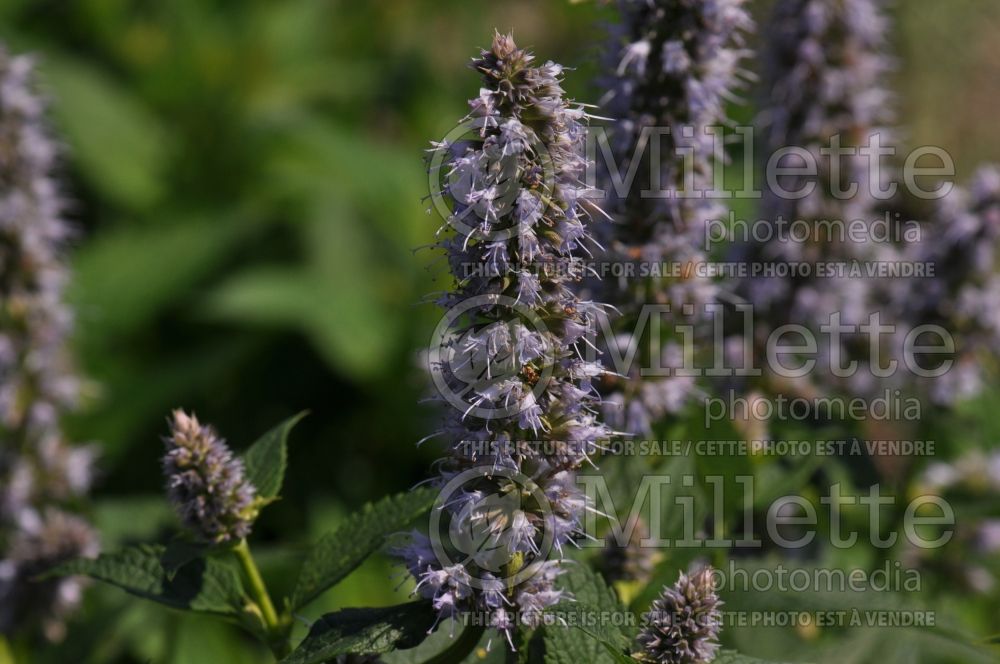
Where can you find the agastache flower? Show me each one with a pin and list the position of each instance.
(675, 65)
(526, 421)
(43, 540)
(206, 483)
(682, 626)
(43, 479)
(823, 81)
(962, 245)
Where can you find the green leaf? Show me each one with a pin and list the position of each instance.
(193, 640)
(596, 612)
(6, 656)
(129, 274)
(207, 585)
(487, 651)
(364, 631)
(733, 657)
(179, 553)
(338, 553)
(125, 520)
(321, 157)
(118, 143)
(356, 329)
(267, 458)
(615, 654)
(600, 642)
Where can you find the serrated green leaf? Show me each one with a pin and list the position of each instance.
(487, 651)
(364, 631)
(207, 585)
(617, 655)
(338, 553)
(566, 645)
(596, 612)
(733, 657)
(267, 458)
(586, 585)
(584, 635)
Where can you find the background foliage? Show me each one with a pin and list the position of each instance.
(246, 181)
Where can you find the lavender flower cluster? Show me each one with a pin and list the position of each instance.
(823, 81)
(824, 76)
(682, 626)
(676, 64)
(516, 193)
(206, 483)
(824, 71)
(962, 244)
(43, 479)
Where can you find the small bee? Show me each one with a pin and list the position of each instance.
(530, 374)
(534, 178)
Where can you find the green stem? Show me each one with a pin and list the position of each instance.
(278, 640)
(460, 649)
